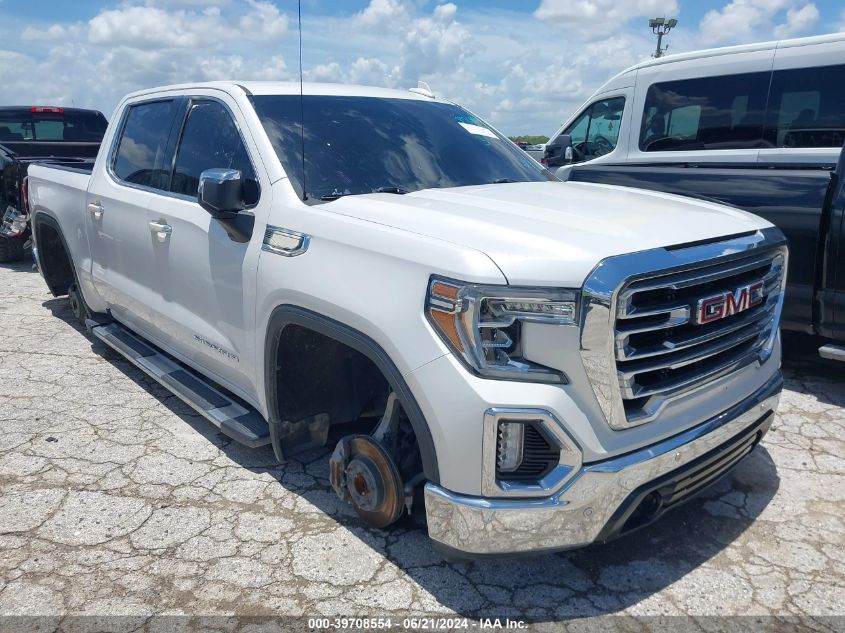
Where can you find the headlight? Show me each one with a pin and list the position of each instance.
(483, 324)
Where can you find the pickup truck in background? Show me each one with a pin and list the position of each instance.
(545, 364)
(62, 136)
(759, 127)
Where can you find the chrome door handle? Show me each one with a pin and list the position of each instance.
(161, 229)
(96, 209)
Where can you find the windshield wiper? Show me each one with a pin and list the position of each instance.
(398, 190)
(335, 196)
(503, 180)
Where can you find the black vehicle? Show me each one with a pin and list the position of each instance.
(806, 201)
(758, 126)
(30, 134)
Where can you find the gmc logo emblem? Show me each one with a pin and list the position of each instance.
(726, 304)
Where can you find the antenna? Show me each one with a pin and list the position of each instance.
(301, 103)
(422, 89)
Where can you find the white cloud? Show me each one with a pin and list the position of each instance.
(381, 14)
(751, 20)
(522, 72)
(371, 71)
(797, 21)
(53, 33)
(156, 27)
(603, 13)
(264, 21)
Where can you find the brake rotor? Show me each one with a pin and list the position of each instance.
(373, 482)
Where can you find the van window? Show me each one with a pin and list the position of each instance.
(806, 107)
(705, 113)
(596, 132)
(211, 140)
(139, 158)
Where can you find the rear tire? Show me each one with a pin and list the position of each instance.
(77, 303)
(11, 248)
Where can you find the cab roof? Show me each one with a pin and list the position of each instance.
(290, 88)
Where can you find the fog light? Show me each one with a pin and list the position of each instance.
(511, 438)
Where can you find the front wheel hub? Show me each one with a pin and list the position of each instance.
(364, 474)
(365, 485)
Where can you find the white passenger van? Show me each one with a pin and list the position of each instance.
(774, 102)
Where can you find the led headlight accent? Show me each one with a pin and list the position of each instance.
(483, 324)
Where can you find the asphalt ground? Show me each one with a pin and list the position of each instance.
(117, 500)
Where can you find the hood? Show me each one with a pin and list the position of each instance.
(551, 233)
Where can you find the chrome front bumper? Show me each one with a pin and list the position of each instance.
(588, 507)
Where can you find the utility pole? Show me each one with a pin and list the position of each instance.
(660, 27)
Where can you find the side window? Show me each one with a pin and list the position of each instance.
(578, 130)
(596, 131)
(211, 140)
(139, 157)
(705, 113)
(605, 118)
(806, 108)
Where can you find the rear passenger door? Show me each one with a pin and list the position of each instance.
(204, 280)
(136, 173)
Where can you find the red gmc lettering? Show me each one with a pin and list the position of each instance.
(729, 303)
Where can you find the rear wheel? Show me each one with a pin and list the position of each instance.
(77, 303)
(11, 248)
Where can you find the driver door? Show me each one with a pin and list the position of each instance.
(595, 132)
(204, 290)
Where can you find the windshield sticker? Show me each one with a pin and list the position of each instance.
(477, 129)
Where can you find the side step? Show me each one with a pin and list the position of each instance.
(832, 352)
(239, 421)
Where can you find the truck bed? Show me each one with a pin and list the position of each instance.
(62, 191)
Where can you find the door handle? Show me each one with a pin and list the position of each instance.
(96, 209)
(161, 229)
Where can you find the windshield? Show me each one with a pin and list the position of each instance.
(357, 145)
(22, 124)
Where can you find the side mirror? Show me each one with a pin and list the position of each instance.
(558, 152)
(221, 192)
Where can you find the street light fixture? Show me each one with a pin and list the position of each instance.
(660, 27)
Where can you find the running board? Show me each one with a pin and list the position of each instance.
(832, 352)
(238, 421)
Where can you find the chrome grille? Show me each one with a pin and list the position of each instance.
(641, 343)
(662, 353)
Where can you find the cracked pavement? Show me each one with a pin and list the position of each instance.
(118, 499)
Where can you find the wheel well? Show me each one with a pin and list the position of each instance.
(316, 366)
(53, 258)
(317, 374)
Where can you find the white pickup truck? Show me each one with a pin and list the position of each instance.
(546, 364)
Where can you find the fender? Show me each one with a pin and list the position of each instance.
(39, 218)
(285, 315)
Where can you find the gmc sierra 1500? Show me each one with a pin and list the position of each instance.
(554, 363)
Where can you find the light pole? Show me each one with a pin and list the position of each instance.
(660, 27)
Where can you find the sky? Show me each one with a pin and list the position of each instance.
(522, 65)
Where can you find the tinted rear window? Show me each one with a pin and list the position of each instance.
(140, 154)
(357, 145)
(70, 127)
(807, 107)
(705, 113)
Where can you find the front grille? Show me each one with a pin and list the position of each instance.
(660, 350)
